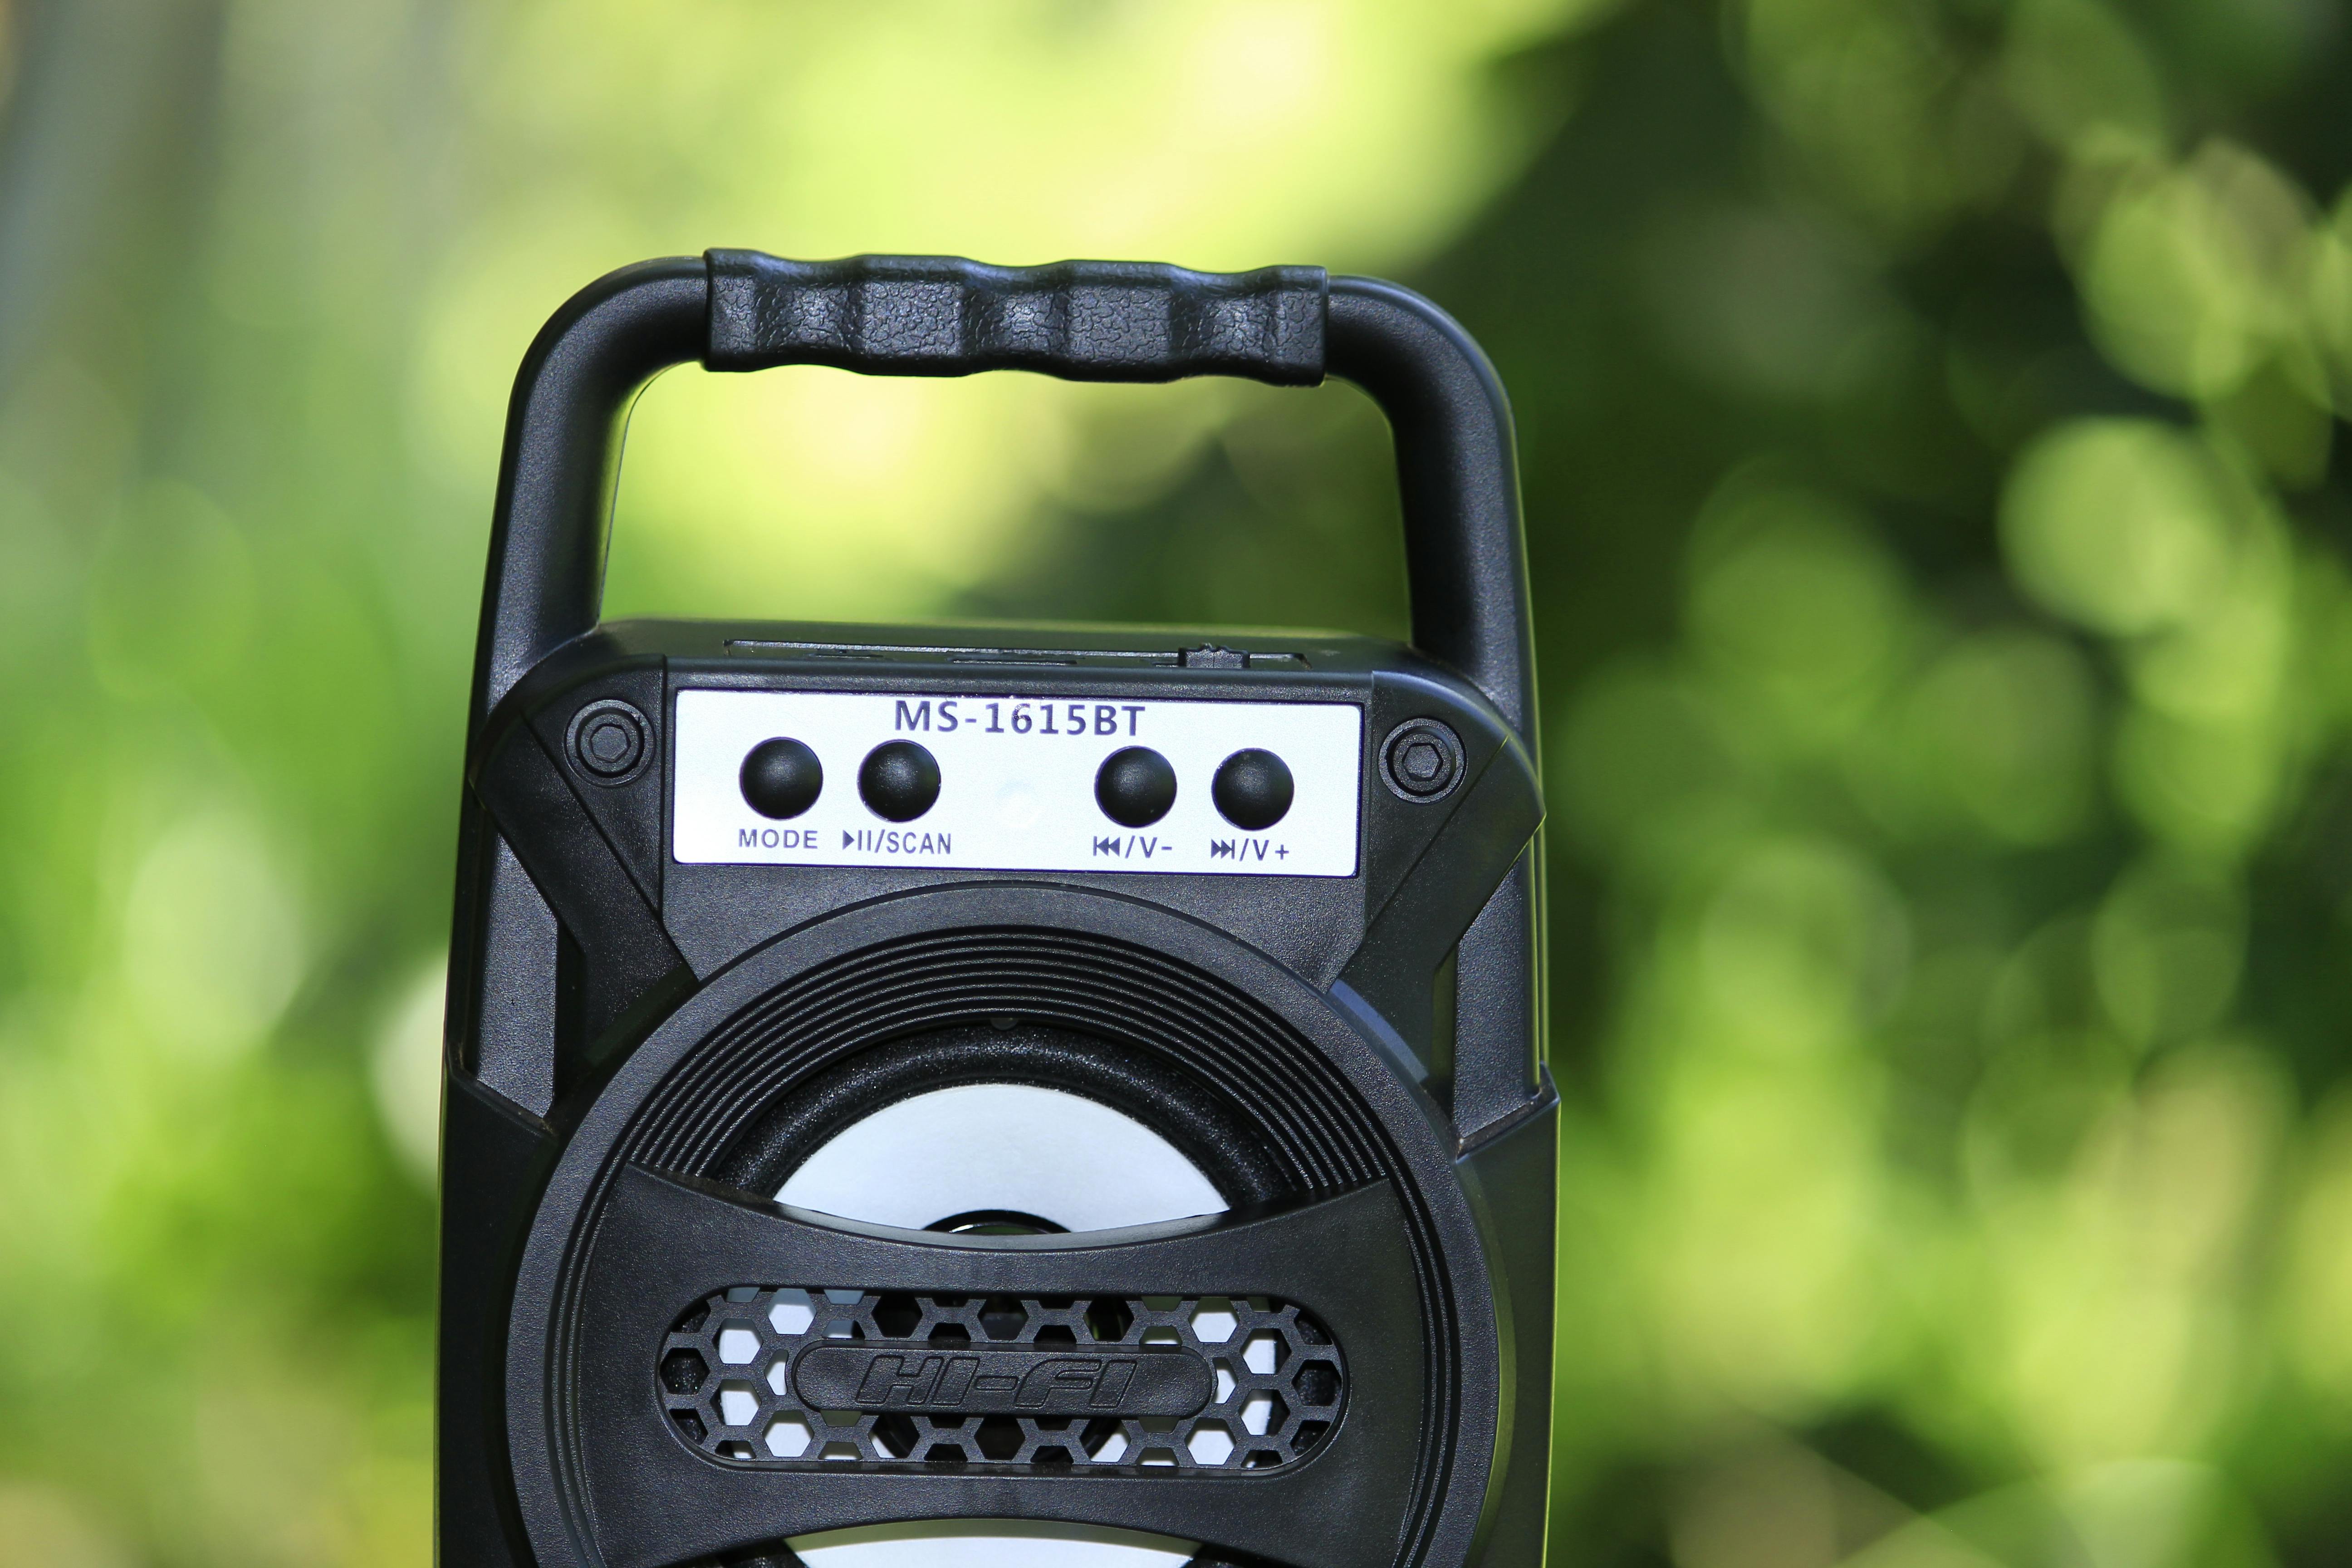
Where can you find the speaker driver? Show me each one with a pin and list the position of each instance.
(1009, 1128)
(972, 1077)
(1008, 1158)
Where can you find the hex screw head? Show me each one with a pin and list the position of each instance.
(1421, 761)
(610, 741)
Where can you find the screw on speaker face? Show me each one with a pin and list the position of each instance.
(1135, 787)
(898, 780)
(608, 740)
(1421, 761)
(781, 777)
(1251, 789)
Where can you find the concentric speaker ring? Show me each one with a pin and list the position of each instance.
(1170, 1100)
(1290, 1082)
(1296, 1110)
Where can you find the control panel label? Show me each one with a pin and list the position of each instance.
(997, 783)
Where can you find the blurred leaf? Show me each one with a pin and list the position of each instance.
(2116, 524)
(2194, 276)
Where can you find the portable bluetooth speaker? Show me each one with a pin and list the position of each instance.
(1005, 1096)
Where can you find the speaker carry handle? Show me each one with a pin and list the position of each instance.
(1083, 320)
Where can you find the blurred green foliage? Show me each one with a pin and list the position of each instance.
(1928, 411)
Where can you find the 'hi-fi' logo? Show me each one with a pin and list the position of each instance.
(1170, 1382)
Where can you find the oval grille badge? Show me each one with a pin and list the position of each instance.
(983, 1381)
(1148, 1384)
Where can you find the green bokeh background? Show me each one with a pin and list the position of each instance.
(1928, 412)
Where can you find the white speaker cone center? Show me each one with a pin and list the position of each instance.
(1005, 1148)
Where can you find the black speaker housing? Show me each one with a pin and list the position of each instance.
(635, 1041)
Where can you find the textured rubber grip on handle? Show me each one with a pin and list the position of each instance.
(1081, 320)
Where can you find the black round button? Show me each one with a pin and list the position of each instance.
(781, 777)
(1135, 787)
(1421, 760)
(608, 740)
(898, 780)
(1251, 789)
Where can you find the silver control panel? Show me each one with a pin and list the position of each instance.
(995, 782)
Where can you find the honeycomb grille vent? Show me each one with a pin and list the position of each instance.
(1270, 1382)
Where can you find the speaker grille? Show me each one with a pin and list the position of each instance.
(1273, 1379)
